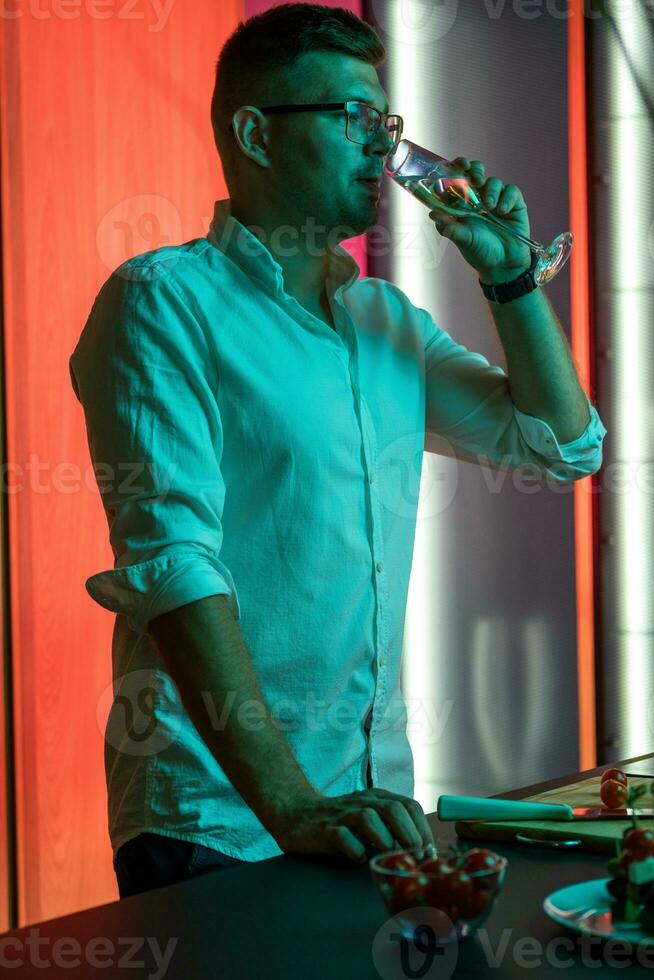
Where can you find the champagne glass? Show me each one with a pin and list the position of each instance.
(441, 185)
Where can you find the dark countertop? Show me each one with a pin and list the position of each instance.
(295, 917)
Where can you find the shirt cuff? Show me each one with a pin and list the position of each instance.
(584, 454)
(144, 591)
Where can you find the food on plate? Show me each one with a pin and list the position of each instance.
(631, 885)
(639, 839)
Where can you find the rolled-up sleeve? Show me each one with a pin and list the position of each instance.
(148, 381)
(468, 403)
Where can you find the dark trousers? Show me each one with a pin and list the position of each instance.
(152, 861)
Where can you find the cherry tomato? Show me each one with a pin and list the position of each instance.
(616, 774)
(640, 840)
(451, 891)
(475, 905)
(451, 910)
(613, 793)
(439, 891)
(437, 865)
(409, 893)
(399, 862)
(479, 859)
(461, 887)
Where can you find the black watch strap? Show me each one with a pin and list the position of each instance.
(504, 292)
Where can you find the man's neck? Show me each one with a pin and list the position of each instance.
(306, 269)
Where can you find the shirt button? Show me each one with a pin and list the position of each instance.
(380, 566)
(371, 478)
(382, 661)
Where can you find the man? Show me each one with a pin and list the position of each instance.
(263, 396)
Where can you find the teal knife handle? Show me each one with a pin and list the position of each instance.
(481, 808)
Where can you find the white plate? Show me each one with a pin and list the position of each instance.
(591, 904)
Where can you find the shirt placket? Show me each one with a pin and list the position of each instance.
(379, 573)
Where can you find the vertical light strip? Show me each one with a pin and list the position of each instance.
(628, 134)
(579, 307)
(420, 668)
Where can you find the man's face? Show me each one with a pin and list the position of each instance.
(315, 170)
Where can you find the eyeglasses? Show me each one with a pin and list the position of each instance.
(363, 121)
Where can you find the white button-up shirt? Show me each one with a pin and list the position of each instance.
(243, 447)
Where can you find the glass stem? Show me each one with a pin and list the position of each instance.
(534, 246)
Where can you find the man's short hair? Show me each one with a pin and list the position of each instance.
(266, 47)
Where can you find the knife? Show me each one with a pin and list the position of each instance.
(482, 808)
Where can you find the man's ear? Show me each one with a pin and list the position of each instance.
(252, 134)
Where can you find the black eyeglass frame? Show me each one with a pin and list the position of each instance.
(343, 106)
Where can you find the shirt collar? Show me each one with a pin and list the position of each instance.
(229, 236)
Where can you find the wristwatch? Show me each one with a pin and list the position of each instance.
(504, 292)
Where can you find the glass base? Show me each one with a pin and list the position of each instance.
(553, 258)
(426, 939)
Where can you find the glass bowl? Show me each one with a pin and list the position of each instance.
(437, 905)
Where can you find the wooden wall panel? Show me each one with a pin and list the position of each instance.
(104, 120)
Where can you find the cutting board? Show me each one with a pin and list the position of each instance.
(600, 835)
